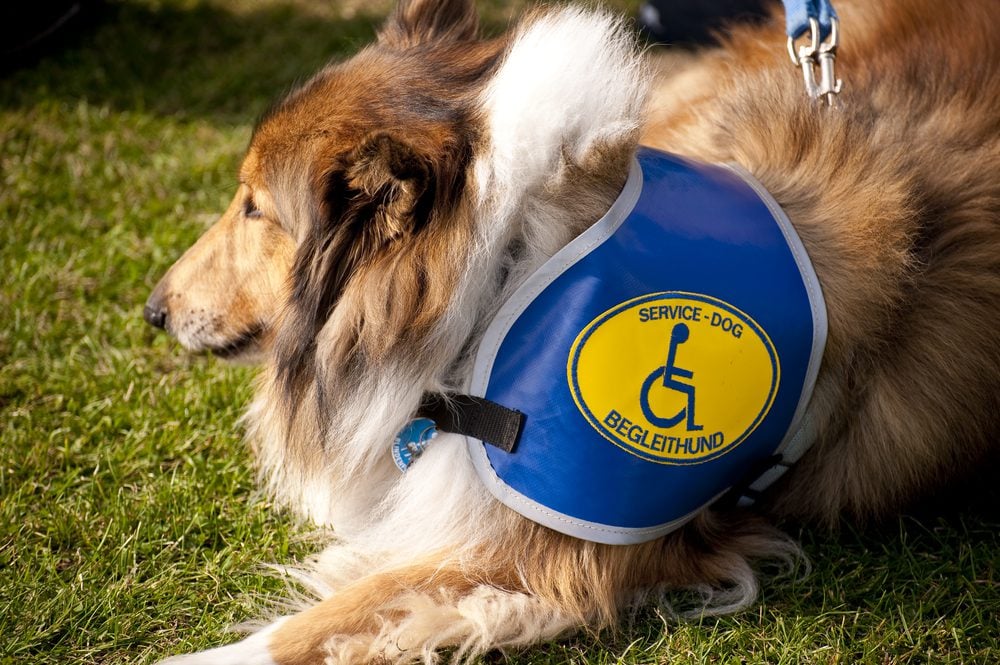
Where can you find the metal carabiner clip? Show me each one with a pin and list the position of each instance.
(829, 84)
(818, 53)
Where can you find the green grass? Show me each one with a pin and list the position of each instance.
(129, 524)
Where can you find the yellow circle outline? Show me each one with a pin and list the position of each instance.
(581, 405)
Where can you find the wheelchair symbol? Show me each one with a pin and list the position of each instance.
(669, 373)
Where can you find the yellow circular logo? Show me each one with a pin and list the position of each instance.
(673, 377)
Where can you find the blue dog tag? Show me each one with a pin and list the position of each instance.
(411, 441)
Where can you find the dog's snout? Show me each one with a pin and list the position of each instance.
(155, 312)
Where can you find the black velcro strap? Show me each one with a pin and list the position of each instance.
(474, 416)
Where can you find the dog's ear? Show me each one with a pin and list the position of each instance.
(417, 22)
(371, 198)
(380, 194)
(394, 178)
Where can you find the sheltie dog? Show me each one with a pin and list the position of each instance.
(389, 206)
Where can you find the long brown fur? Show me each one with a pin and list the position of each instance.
(895, 193)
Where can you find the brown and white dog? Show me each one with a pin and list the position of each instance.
(388, 206)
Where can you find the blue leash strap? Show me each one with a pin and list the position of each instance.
(813, 37)
(798, 13)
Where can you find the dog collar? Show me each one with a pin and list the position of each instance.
(664, 357)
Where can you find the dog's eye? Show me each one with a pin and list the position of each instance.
(250, 208)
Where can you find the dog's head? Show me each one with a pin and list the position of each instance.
(387, 206)
(366, 159)
(368, 168)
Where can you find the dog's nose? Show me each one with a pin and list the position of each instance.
(155, 312)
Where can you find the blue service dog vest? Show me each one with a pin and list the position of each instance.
(659, 358)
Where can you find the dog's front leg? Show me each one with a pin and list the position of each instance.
(399, 616)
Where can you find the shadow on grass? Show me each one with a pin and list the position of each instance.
(190, 62)
(197, 60)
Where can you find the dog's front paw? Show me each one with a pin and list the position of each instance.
(250, 651)
(233, 654)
